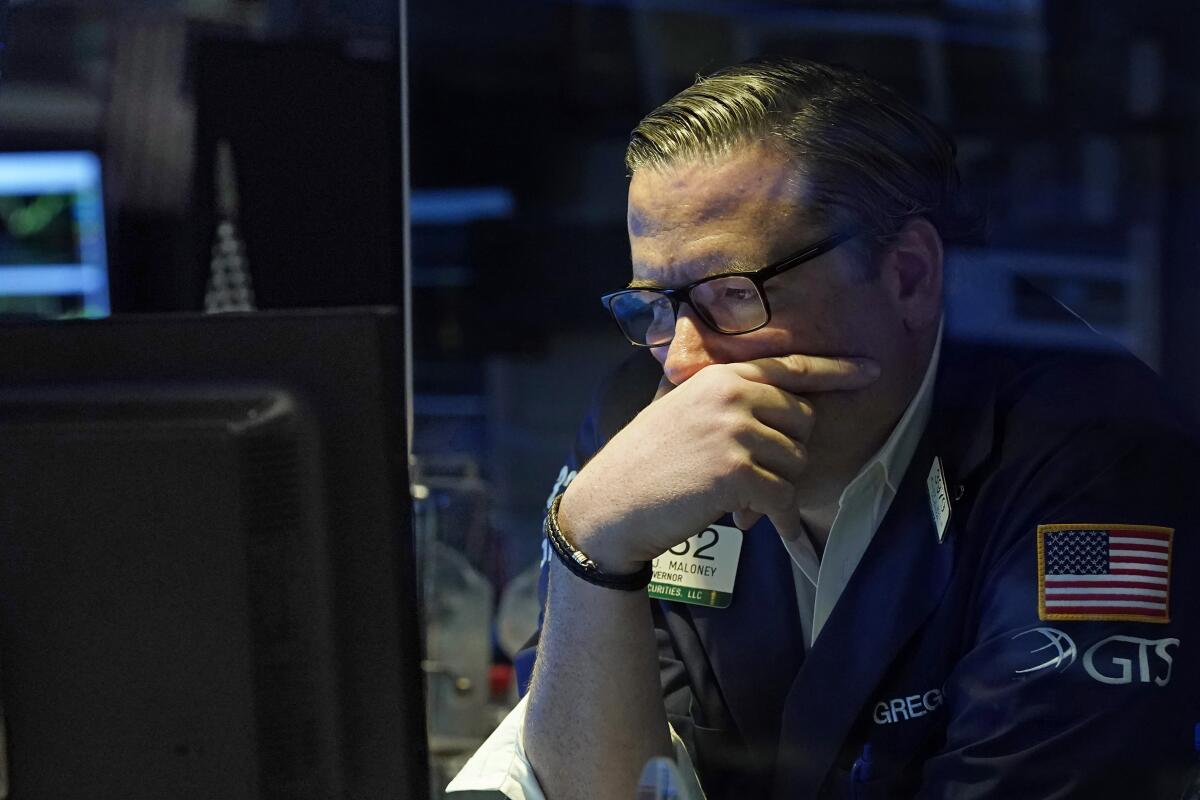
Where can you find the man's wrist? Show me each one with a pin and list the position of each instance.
(598, 545)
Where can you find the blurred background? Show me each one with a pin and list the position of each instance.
(229, 155)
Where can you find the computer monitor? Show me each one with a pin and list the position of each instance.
(207, 571)
(53, 260)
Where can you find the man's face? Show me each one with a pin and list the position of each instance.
(747, 211)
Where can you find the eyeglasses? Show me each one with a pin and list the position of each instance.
(730, 303)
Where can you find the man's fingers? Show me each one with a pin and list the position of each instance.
(786, 413)
(745, 519)
(799, 373)
(779, 454)
(787, 523)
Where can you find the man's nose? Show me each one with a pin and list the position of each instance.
(693, 348)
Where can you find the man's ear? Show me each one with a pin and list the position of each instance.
(912, 269)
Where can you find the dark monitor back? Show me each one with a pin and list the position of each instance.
(207, 578)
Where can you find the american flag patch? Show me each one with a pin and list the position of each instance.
(1104, 572)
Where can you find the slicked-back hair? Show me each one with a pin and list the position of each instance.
(866, 157)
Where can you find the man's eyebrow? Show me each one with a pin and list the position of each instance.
(700, 268)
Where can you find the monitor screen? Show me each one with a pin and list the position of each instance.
(53, 261)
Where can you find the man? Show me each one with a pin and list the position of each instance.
(963, 574)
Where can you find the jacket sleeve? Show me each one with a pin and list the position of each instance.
(1081, 707)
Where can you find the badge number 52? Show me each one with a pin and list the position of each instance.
(699, 570)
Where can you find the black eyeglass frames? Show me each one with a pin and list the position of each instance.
(730, 302)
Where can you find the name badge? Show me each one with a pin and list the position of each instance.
(700, 570)
(939, 498)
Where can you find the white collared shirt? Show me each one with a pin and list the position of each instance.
(500, 768)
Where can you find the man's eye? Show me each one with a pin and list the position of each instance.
(733, 293)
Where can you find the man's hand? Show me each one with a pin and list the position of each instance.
(731, 439)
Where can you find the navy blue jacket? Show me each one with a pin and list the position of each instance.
(934, 676)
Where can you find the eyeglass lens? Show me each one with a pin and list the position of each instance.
(731, 304)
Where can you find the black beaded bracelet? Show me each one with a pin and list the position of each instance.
(585, 568)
